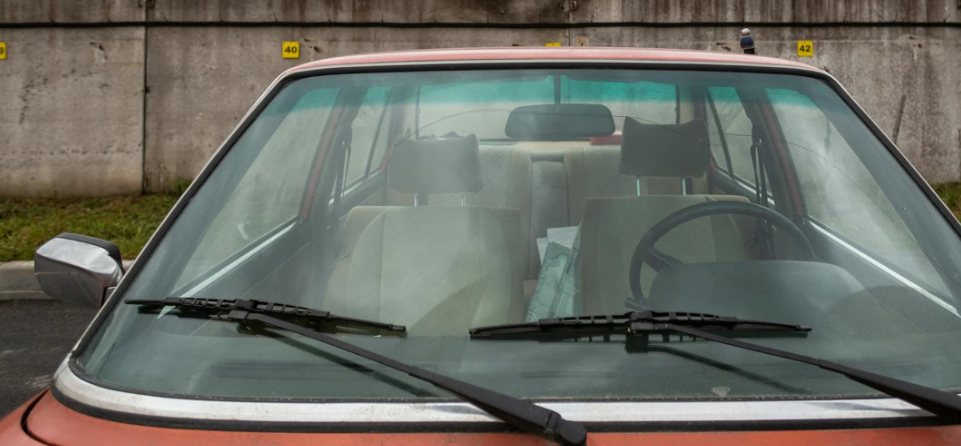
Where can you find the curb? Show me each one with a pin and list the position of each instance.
(18, 282)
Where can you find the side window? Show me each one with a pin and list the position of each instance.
(839, 192)
(715, 138)
(732, 128)
(269, 193)
(364, 130)
(399, 118)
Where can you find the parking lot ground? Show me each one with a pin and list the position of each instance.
(35, 335)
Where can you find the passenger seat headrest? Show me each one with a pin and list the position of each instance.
(437, 165)
(665, 150)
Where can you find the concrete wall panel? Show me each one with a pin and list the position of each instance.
(876, 65)
(72, 110)
(345, 11)
(761, 11)
(202, 80)
(71, 11)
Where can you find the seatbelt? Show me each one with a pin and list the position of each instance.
(344, 143)
(762, 230)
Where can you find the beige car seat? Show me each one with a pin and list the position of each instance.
(436, 269)
(612, 227)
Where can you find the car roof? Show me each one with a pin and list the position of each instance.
(554, 53)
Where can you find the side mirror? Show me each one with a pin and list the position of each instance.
(77, 269)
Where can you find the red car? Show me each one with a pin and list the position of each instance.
(519, 246)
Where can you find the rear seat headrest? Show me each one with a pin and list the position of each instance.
(665, 150)
(437, 165)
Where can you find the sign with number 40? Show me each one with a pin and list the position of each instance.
(291, 50)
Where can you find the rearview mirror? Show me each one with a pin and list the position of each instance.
(77, 269)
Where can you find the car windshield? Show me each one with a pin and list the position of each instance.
(450, 199)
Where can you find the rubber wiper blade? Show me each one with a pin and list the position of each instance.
(261, 307)
(520, 414)
(635, 322)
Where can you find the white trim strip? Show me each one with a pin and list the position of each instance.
(84, 392)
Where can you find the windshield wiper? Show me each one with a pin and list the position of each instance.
(943, 404)
(520, 414)
(261, 307)
(636, 322)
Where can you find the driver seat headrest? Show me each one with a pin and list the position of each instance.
(665, 150)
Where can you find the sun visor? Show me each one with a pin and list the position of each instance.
(665, 150)
(436, 165)
(559, 122)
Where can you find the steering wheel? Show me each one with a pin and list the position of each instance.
(645, 252)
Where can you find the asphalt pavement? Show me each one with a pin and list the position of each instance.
(35, 336)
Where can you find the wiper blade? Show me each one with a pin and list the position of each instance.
(943, 404)
(521, 414)
(261, 307)
(636, 322)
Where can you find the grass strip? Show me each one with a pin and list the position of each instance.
(128, 221)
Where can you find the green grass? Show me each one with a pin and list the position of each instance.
(128, 221)
(951, 194)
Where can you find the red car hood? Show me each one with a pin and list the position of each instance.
(50, 422)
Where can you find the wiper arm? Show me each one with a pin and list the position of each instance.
(256, 306)
(636, 322)
(516, 412)
(943, 404)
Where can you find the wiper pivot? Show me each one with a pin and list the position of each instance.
(261, 307)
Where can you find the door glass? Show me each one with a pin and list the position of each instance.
(839, 191)
(364, 130)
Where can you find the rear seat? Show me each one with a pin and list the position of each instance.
(593, 172)
(505, 183)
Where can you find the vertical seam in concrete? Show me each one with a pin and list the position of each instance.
(143, 116)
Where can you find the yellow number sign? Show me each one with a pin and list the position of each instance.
(805, 48)
(3, 50)
(291, 50)
(552, 44)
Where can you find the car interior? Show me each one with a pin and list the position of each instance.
(441, 231)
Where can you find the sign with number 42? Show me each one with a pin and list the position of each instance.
(805, 48)
(3, 50)
(291, 50)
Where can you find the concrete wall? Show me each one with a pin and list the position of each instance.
(119, 96)
(71, 113)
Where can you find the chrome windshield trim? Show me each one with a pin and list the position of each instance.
(73, 387)
(894, 274)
